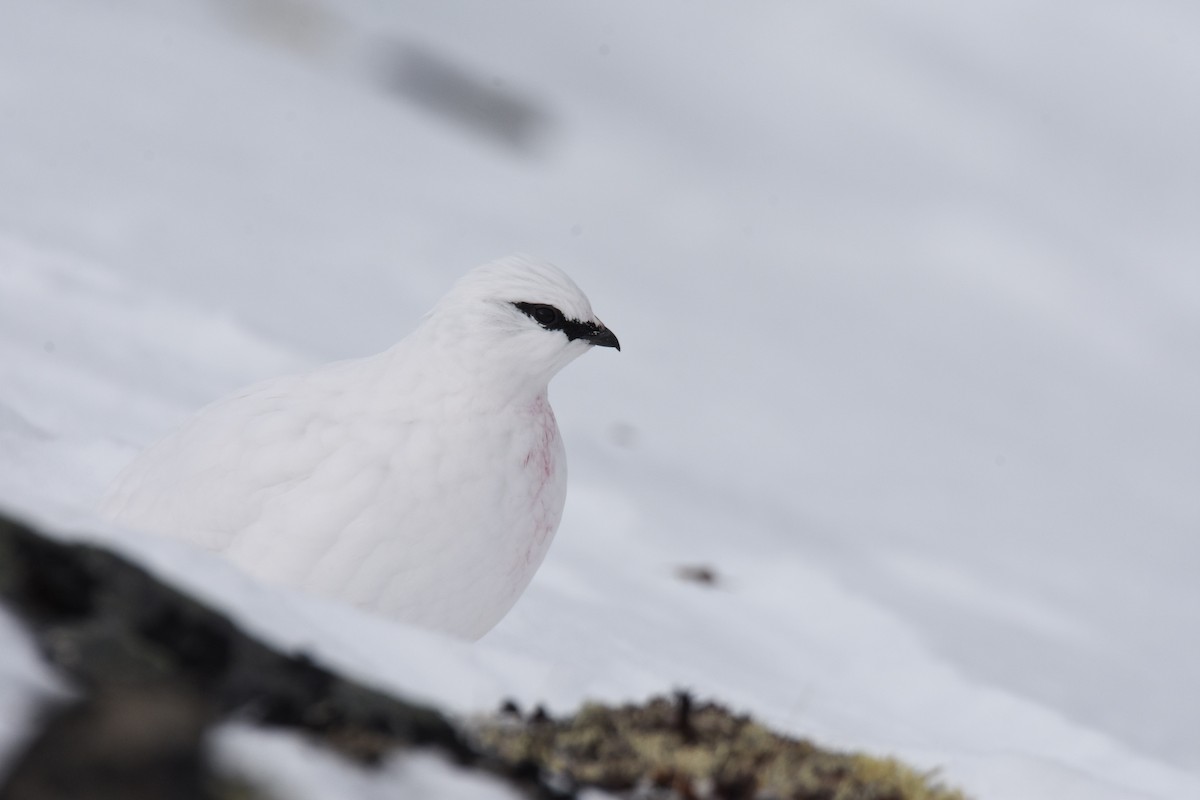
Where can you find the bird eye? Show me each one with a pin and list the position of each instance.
(547, 316)
(543, 314)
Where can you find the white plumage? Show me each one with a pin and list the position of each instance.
(425, 482)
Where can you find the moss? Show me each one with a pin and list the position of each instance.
(694, 751)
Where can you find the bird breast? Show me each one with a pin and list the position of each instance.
(438, 525)
(545, 469)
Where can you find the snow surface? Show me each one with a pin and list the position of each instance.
(299, 770)
(909, 305)
(26, 687)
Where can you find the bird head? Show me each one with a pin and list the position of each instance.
(519, 315)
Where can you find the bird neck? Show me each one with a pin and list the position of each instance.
(476, 375)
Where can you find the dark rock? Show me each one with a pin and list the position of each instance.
(156, 668)
(107, 622)
(118, 744)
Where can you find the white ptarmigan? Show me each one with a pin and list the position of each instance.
(425, 482)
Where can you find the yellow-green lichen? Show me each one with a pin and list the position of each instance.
(697, 751)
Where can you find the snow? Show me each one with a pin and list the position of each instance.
(25, 687)
(908, 303)
(299, 770)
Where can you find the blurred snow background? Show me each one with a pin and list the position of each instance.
(910, 301)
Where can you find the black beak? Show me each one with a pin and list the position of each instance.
(603, 337)
(593, 333)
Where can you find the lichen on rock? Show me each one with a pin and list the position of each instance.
(677, 748)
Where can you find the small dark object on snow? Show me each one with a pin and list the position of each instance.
(698, 573)
(683, 717)
(474, 101)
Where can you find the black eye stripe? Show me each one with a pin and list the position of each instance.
(545, 315)
(552, 319)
